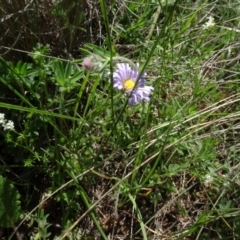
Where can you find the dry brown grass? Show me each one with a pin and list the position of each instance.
(64, 25)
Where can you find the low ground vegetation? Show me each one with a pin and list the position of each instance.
(119, 120)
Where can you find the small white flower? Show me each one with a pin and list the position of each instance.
(8, 126)
(207, 179)
(2, 116)
(210, 23)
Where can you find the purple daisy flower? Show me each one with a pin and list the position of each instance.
(124, 78)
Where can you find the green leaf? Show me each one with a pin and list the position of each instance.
(9, 203)
(23, 69)
(76, 77)
(67, 71)
(59, 72)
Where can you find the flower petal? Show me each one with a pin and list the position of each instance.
(123, 73)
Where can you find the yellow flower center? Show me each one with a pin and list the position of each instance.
(128, 84)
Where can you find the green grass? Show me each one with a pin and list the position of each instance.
(89, 166)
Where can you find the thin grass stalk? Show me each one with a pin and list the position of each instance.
(139, 215)
(92, 214)
(79, 96)
(145, 65)
(37, 111)
(91, 96)
(110, 48)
